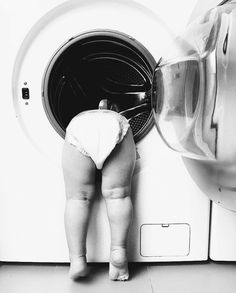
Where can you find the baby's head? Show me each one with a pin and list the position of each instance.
(107, 105)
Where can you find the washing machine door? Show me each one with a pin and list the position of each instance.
(194, 101)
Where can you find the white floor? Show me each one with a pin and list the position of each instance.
(154, 278)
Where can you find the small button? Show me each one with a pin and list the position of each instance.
(25, 93)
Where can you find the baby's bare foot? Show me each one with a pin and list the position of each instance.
(118, 270)
(78, 267)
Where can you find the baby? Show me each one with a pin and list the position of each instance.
(98, 139)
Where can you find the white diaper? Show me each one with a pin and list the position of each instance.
(95, 133)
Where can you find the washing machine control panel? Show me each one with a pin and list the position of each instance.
(25, 93)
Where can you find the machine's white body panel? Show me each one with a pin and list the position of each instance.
(223, 234)
(32, 191)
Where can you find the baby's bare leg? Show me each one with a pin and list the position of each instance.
(116, 183)
(79, 177)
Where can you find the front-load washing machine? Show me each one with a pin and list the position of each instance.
(221, 186)
(207, 131)
(75, 53)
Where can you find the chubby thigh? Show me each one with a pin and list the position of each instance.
(79, 173)
(118, 168)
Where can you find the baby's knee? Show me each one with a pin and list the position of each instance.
(81, 195)
(115, 193)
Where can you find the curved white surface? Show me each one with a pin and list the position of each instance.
(217, 179)
(68, 20)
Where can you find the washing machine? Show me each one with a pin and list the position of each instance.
(216, 176)
(222, 185)
(60, 58)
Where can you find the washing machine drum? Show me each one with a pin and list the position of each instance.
(100, 65)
